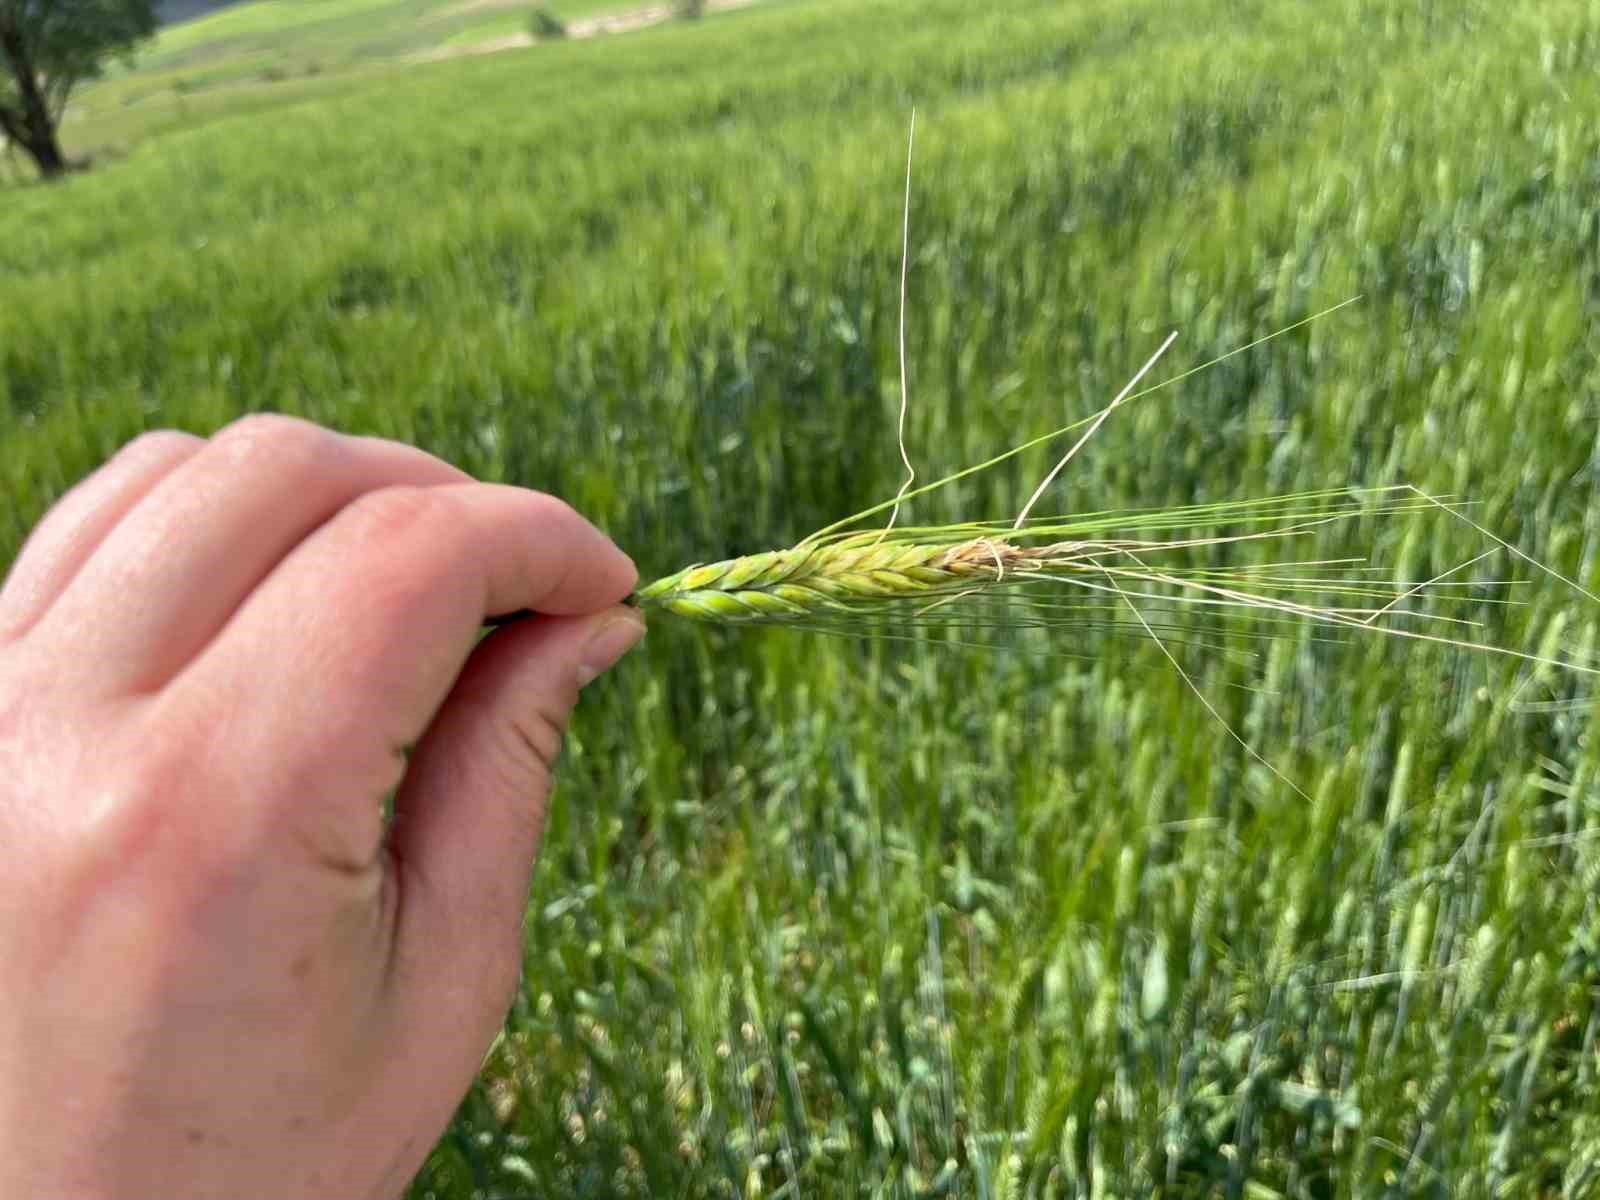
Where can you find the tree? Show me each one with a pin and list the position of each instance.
(545, 24)
(49, 47)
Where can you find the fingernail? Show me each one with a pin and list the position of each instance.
(608, 644)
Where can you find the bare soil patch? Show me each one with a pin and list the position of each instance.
(624, 21)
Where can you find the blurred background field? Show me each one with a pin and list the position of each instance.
(820, 917)
(256, 56)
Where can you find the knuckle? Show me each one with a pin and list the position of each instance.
(379, 515)
(157, 444)
(553, 507)
(516, 765)
(273, 439)
(147, 809)
(522, 757)
(122, 827)
(533, 741)
(136, 829)
(397, 572)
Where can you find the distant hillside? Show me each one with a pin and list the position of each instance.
(173, 11)
(216, 57)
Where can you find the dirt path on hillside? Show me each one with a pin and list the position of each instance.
(625, 21)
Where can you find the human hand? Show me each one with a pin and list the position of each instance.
(220, 975)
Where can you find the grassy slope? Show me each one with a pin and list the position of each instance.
(841, 918)
(269, 53)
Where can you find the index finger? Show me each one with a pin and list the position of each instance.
(343, 654)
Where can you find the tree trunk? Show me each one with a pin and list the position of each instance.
(30, 126)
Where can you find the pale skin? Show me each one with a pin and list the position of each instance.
(221, 974)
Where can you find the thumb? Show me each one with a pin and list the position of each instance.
(470, 815)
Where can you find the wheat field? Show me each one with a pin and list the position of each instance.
(987, 916)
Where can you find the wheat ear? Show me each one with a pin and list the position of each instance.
(836, 579)
(843, 577)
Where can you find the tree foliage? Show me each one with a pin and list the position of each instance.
(47, 49)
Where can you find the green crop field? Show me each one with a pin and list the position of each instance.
(833, 917)
(269, 53)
